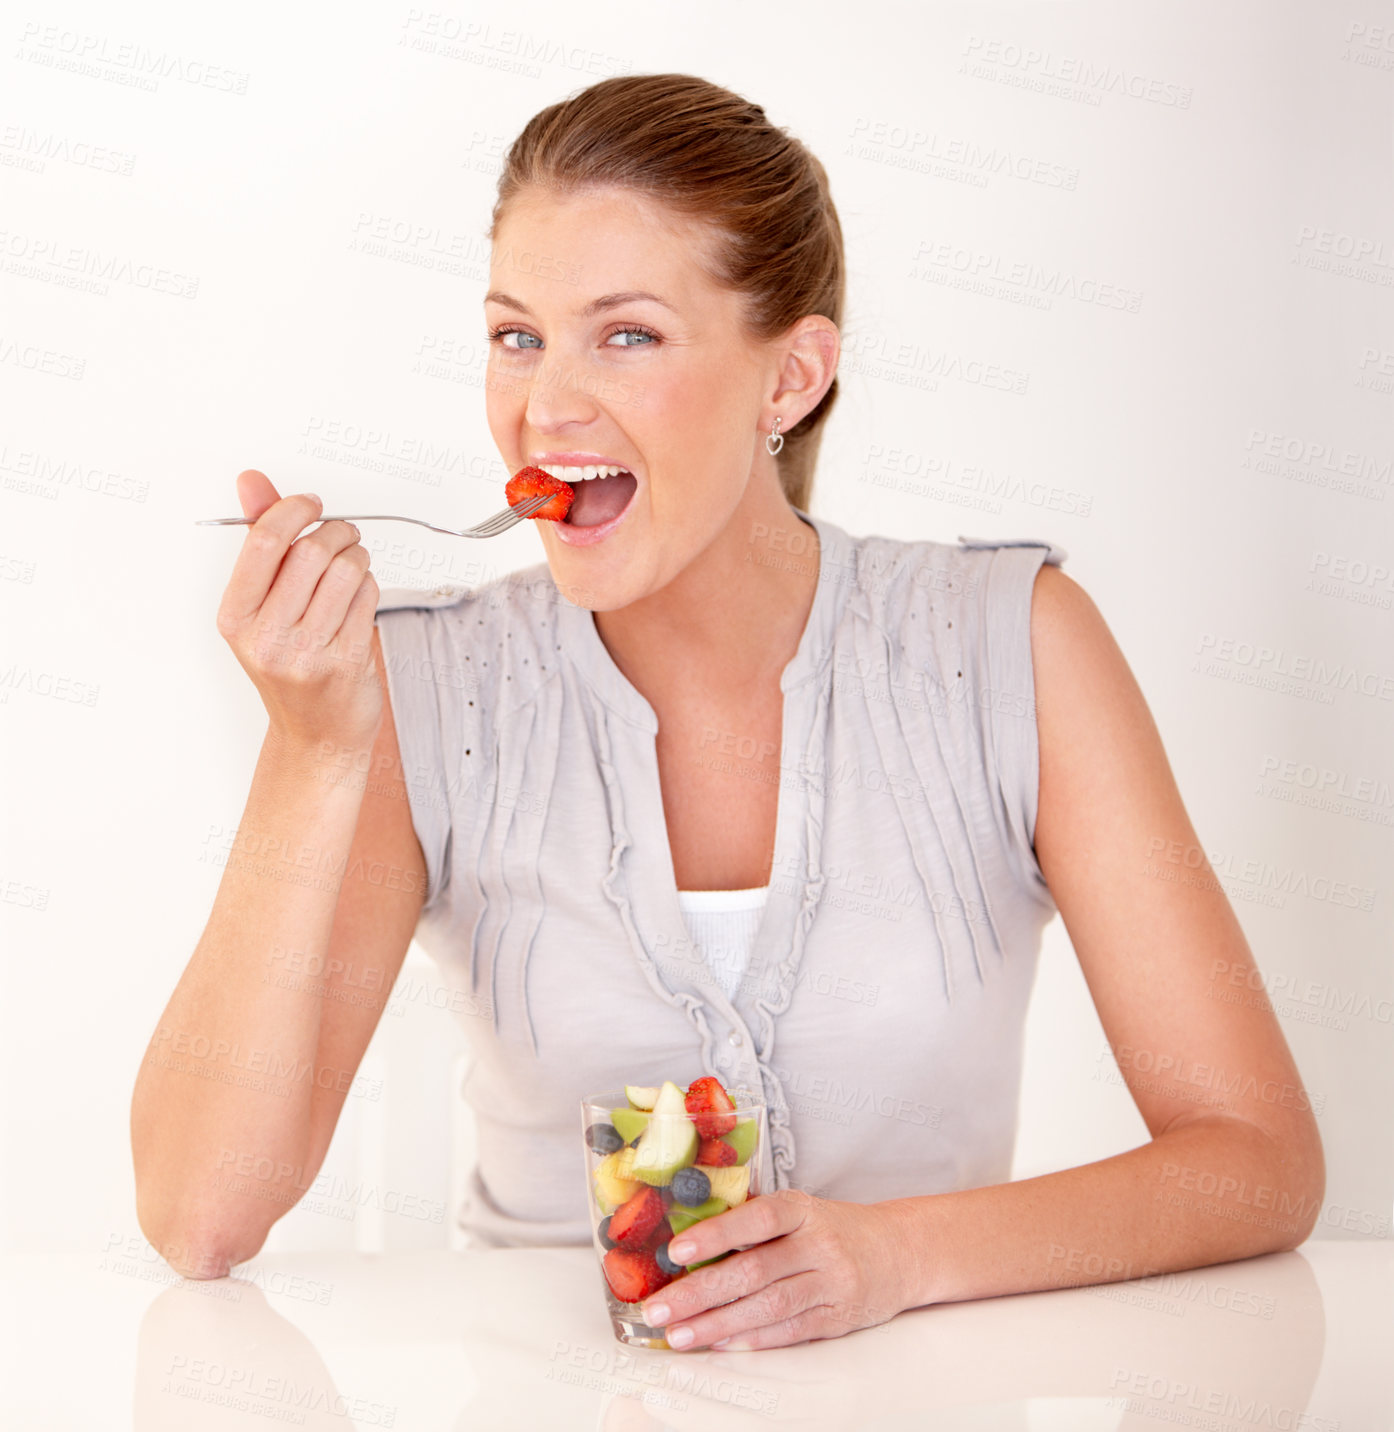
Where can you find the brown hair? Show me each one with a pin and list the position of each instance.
(713, 156)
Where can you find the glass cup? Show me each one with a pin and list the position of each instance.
(645, 1184)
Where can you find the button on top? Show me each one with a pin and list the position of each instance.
(735, 1038)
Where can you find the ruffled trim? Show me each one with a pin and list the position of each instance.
(767, 1011)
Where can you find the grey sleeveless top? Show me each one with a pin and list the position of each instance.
(881, 1013)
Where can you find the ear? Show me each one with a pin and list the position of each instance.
(810, 352)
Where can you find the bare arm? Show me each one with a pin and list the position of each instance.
(1234, 1166)
(247, 1072)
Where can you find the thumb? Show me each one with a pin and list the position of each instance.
(255, 492)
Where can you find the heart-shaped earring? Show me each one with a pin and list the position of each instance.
(775, 440)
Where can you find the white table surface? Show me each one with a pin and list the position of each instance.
(520, 1339)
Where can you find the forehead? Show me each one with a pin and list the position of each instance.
(554, 246)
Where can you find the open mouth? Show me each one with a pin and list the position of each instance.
(599, 499)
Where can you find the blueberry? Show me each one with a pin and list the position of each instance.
(691, 1186)
(604, 1138)
(605, 1239)
(660, 1256)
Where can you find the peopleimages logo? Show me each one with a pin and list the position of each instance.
(1229, 980)
(1277, 663)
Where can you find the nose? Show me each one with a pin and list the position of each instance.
(557, 395)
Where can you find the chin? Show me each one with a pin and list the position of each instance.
(582, 585)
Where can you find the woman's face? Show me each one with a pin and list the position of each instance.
(584, 369)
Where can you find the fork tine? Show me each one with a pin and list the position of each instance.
(534, 504)
(494, 526)
(502, 521)
(499, 522)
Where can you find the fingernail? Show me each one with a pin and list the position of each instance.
(681, 1252)
(316, 497)
(680, 1337)
(722, 1343)
(658, 1315)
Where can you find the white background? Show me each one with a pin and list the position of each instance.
(1222, 164)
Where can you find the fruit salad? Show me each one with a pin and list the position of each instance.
(664, 1159)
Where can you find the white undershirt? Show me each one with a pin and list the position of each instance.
(722, 924)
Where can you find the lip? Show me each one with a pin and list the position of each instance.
(578, 459)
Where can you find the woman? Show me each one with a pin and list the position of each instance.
(889, 761)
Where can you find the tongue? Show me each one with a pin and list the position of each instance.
(600, 499)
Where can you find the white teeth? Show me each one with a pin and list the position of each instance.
(574, 475)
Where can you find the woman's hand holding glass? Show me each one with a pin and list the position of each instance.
(810, 1268)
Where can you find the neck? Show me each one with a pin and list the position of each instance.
(734, 616)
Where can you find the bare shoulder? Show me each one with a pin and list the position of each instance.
(1105, 781)
(1090, 710)
(1063, 614)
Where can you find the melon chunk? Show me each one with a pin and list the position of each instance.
(731, 1183)
(614, 1180)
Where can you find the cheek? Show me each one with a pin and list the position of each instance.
(699, 415)
(502, 399)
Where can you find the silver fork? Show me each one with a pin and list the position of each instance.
(490, 527)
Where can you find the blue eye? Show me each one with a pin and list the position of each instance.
(647, 335)
(500, 335)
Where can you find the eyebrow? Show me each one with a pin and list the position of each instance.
(596, 305)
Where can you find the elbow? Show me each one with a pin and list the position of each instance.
(1296, 1176)
(1301, 1172)
(1278, 1169)
(198, 1247)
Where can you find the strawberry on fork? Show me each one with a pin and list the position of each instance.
(533, 482)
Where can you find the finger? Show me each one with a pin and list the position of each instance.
(735, 1277)
(336, 588)
(355, 640)
(266, 544)
(810, 1323)
(309, 557)
(757, 1219)
(256, 492)
(773, 1304)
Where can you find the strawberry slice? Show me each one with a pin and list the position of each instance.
(637, 1217)
(633, 1274)
(533, 482)
(710, 1106)
(716, 1153)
